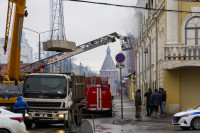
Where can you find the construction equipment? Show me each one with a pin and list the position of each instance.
(54, 98)
(9, 81)
(38, 65)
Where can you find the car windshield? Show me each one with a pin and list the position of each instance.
(10, 88)
(40, 84)
(197, 108)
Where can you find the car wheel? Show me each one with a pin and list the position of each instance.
(4, 131)
(195, 124)
(185, 128)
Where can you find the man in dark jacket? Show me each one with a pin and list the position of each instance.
(148, 101)
(155, 102)
(163, 102)
(20, 106)
(138, 103)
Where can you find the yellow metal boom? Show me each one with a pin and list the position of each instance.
(15, 46)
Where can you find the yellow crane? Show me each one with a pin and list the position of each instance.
(8, 88)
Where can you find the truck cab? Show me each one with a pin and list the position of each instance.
(9, 93)
(52, 97)
(48, 97)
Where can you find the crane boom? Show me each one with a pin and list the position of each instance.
(9, 15)
(36, 66)
(15, 46)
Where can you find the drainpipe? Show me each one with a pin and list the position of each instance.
(145, 77)
(139, 69)
(156, 23)
(135, 52)
(149, 51)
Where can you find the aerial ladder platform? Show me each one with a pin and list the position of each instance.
(41, 64)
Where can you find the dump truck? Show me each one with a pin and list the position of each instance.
(53, 98)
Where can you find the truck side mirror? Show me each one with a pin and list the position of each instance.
(27, 85)
(70, 84)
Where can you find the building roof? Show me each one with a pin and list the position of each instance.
(108, 64)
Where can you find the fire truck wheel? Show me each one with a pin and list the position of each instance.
(110, 113)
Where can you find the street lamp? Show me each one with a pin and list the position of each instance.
(39, 33)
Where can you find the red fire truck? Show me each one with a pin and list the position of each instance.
(98, 95)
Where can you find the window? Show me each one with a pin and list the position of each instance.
(192, 31)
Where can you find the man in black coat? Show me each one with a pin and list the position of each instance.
(138, 103)
(148, 102)
(155, 102)
(163, 102)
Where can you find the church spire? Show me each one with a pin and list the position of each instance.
(108, 50)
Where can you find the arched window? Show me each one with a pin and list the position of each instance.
(192, 31)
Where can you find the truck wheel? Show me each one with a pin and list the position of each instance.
(196, 123)
(69, 121)
(110, 113)
(77, 116)
(28, 124)
(80, 116)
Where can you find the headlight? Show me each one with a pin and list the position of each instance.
(186, 115)
(26, 115)
(61, 115)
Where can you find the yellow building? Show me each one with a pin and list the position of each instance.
(168, 51)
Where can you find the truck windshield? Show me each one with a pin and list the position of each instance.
(11, 89)
(45, 86)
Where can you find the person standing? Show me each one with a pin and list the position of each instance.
(148, 102)
(155, 102)
(138, 103)
(160, 91)
(163, 103)
(20, 106)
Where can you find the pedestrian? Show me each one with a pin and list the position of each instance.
(148, 102)
(138, 103)
(163, 103)
(155, 102)
(20, 106)
(160, 91)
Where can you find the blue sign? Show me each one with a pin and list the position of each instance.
(120, 58)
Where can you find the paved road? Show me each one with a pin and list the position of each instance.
(129, 124)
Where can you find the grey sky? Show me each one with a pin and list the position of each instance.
(83, 23)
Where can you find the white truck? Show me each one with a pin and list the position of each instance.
(53, 98)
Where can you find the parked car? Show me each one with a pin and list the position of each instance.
(187, 119)
(11, 122)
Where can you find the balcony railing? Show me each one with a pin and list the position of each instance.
(181, 52)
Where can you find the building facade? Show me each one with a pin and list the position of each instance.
(167, 51)
(26, 51)
(109, 70)
(130, 67)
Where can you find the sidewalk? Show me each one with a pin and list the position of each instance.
(129, 113)
(130, 124)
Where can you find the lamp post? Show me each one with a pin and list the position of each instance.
(39, 33)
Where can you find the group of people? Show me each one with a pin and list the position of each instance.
(154, 100)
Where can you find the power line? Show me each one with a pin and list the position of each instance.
(135, 7)
(188, 0)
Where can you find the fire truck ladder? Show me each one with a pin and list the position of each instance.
(36, 66)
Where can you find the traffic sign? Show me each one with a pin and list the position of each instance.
(120, 58)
